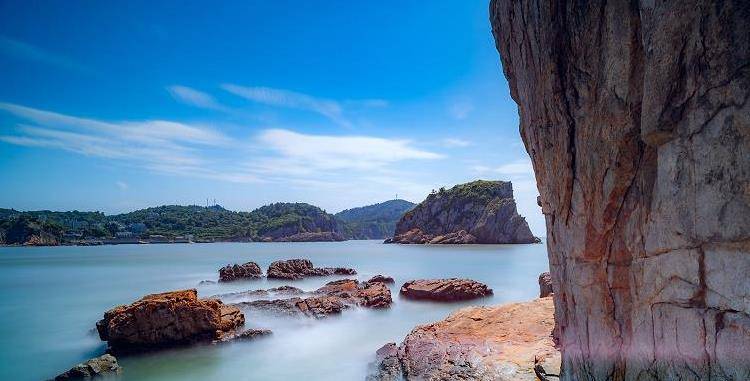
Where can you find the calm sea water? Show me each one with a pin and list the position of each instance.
(51, 297)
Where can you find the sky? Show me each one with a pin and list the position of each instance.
(115, 106)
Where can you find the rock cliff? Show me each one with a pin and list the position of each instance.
(637, 121)
(475, 212)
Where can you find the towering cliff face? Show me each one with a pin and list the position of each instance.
(476, 212)
(637, 120)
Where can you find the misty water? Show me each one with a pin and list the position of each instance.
(53, 296)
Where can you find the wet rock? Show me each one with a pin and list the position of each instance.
(503, 343)
(381, 279)
(372, 295)
(280, 307)
(260, 293)
(445, 290)
(387, 366)
(292, 269)
(167, 319)
(251, 334)
(104, 366)
(321, 306)
(545, 284)
(636, 118)
(249, 270)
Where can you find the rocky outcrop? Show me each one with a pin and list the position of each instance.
(476, 212)
(637, 121)
(445, 290)
(249, 270)
(372, 295)
(501, 343)
(292, 269)
(102, 367)
(167, 319)
(545, 284)
(382, 279)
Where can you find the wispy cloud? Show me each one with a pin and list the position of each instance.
(328, 108)
(300, 154)
(194, 97)
(517, 168)
(156, 145)
(24, 51)
(122, 185)
(454, 142)
(460, 110)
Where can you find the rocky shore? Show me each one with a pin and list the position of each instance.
(511, 342)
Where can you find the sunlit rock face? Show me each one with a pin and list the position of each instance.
(637, 120)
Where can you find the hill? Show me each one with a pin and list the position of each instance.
(376, 221)
(476, 212)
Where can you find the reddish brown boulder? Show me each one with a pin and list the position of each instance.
(455, 238)
(445, 290)
(372, 295)
(321, 306)
(249, 270)
(167, 319)
(545, 284)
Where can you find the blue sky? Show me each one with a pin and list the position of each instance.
(116, 106)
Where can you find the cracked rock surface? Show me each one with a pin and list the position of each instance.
(636, 117)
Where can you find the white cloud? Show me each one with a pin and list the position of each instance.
(453, 142)
(300, 154)
(460, 110)
(24, 51)
(518, 167)
(158, 145)
(328, 108)
(122, 185)
(194, 97)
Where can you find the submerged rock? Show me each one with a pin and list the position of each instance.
(251, 334)
(167, 319)
(249, 270)
(545, 284)
(475, 212)
(382, 279)
(503, 343)
(104, 366)
(445, 290)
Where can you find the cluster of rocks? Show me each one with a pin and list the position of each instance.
(504, 343)
(104, 366)
(330, 299)
(290, 269)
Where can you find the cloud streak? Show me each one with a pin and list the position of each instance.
(24, 51)
(194, 97)
(328, 108)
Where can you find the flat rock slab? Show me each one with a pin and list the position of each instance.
(501, 343)
(445, 290)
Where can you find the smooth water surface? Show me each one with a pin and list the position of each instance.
(51, 297)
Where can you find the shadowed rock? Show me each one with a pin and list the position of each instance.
(292, 269)
(382, 279)
(545, 284)
(249, 270)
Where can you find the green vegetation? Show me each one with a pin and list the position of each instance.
(169, 221)
(374, 221)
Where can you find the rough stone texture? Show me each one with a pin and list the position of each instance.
(372, 295)
(312, 237)
(167, 319)
(387, 366)
(445, 290)
(292, 269)
(475, 212)
(545, 284)
(637, 121)
(249, 270)
(104, 366)
(500, 343)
